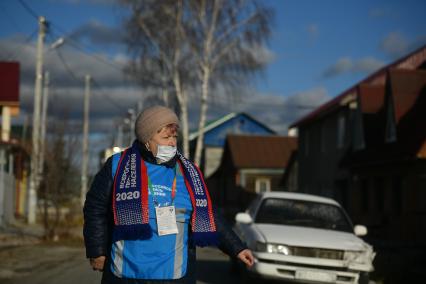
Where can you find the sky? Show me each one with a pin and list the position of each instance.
(317, 49)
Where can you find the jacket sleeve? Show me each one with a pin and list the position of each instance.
(229, 242)
(97, 213)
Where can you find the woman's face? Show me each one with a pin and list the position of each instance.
(167, 136)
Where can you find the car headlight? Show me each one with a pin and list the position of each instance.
(273, 248)
(355, 256)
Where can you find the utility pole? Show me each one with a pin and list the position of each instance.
(85, 140)
(140, 106)
(132, 114)
(119, 141)
(43, 126)
(32, 198)
(5, 136)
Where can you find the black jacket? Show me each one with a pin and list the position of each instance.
(98, 215)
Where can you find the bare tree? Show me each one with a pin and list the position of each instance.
(196, 43)
(224, 39)
(61, 177)
(155, 36)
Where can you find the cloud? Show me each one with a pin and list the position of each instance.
(67, 66)
(367, 65)
(347, 65)
(396, 45)
(343, 65)
(263, 54)
(116, 94)
(112, 92)
(98, 34)
(277, 112)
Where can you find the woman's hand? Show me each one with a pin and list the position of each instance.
(247, 257)
(98, 263)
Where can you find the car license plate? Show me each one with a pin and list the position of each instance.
(315, 275)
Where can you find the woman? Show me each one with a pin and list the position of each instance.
(148, 208)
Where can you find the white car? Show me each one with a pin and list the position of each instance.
(304, 238)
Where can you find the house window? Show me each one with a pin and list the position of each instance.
(263, 185)
(340, 131)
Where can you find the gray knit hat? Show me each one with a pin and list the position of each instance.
(153, 119)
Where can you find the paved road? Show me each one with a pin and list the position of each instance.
(44, 264)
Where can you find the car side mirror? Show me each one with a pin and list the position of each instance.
(360, 230)
(243, 218)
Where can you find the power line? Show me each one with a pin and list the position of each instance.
(111, 100)
(72, 42)
(28, 9)
(75, 77)
(10, 18)
(12, 55)
(66, 66)
(79, 46)
(68, 69)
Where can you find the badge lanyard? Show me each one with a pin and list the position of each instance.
(156, 204)
(166, 215)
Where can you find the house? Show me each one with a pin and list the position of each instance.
(14, 159)
(215, 133)
(14, 172)
(290, 176)
(367, 149)
(250, 164)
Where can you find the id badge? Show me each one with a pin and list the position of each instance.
(166, 220)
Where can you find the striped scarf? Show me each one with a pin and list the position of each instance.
(130, 200)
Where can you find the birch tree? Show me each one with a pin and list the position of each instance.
(155, 36)
(225, 37)
(195, 44)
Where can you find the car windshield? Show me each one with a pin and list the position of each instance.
(302, 213)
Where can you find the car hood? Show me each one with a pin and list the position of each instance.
(310, 237)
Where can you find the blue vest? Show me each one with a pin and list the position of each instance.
(160, 257)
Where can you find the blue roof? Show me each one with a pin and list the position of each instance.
(215, 132)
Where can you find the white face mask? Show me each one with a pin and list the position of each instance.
(165, 153)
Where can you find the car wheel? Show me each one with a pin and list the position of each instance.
(364, 278)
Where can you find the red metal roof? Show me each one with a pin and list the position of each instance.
(249, 151)
(371, 98)
(406, 87)
(406, 95)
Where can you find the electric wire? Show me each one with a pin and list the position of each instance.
(28, 9)
(13, 54)
(66, 66)
(118, 105)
